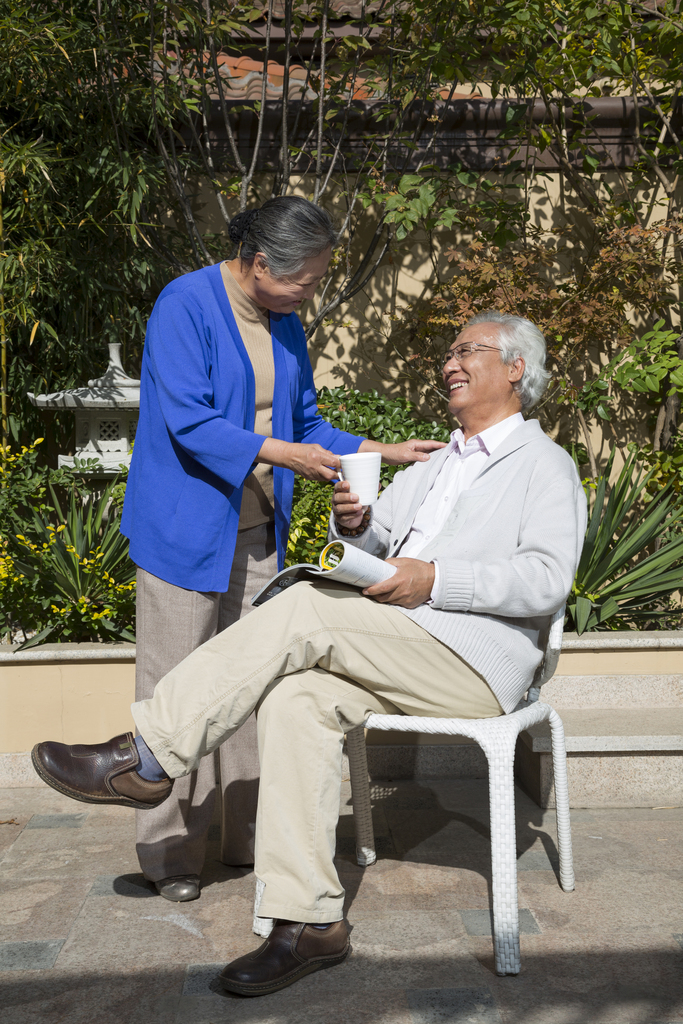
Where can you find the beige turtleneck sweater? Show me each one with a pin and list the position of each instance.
(253, 323)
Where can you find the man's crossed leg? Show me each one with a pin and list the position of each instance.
(314, 662)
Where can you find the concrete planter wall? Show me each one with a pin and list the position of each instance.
(75, 693)
(620, 696)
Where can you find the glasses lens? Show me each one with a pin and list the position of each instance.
(459, 353)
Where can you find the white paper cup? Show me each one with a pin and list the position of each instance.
(362, 473)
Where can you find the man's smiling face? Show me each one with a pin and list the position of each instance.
(480, 385)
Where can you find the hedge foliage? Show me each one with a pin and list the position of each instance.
(368, 414)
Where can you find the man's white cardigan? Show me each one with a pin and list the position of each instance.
(507, 554)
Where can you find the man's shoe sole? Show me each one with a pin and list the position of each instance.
(82, 797)
(289, 979)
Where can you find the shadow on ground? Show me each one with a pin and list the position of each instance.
(638, 987)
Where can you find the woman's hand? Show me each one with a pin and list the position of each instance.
(348, 511)
(311, 461)
(407, 451)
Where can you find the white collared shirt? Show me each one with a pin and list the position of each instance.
(461, 466)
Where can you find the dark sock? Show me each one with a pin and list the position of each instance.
(149, 768)
(320, 927)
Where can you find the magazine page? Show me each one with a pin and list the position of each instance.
(348, 564)
(339, 561)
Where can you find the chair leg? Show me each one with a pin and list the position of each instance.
(504, 855)
(564, 832)
(360, 796)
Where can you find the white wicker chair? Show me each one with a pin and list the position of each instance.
(497, 737)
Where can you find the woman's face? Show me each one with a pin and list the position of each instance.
(285, 294)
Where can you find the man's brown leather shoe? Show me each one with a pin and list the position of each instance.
(290, 951)
(101, 773)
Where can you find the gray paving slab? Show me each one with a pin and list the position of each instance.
(200, 979)
(452, 1006)
(132, 886)
(480, 922)
(40, 909)
(612, 951)
(57, 820)
(538, 860)
(29, 956)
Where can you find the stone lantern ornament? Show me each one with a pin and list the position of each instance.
(106, 418)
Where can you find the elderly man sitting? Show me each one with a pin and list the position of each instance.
(486, 538)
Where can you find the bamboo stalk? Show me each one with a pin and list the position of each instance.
(3, 344)
(3, 337)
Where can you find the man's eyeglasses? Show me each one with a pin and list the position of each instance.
(462, 352)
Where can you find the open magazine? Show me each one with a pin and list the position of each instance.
(338, 561)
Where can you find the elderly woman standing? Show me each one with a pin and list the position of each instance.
(228, 414)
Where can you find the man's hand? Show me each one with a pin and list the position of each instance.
(348, 511)
(311, 461)
(410, 586)
(407, 451)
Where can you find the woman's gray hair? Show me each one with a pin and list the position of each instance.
(288, 230)
(519, 338)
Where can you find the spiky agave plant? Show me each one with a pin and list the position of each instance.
(77, 565)
(632, 558)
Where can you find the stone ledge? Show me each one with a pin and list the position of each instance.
(11, 655)
(625, 730)
(648, 778)
(17, 772)
(625, 640)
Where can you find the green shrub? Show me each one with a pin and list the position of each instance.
(64, 574)
(368, 414)
(631, 562)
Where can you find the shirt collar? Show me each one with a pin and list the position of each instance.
(486, 440)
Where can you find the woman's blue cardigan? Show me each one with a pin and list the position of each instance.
(195, 443)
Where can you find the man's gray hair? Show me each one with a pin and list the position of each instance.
(520, 338)
(288, 230)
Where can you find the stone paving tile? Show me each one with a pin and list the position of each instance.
(133, 886)
(480, 922)
(10, 827)
(60, 853)
(369, 987)
(589, 984)
(41, 909)
(139, 933)
(57, 820)
(452, 1006)
(608, 953)
(90, 997)
(440, 837)
(394, 929)
(29, 956)
(538, 860)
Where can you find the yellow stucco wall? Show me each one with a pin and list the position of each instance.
(85, 702)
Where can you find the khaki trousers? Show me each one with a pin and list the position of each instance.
(171, 623)
(314, 662)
